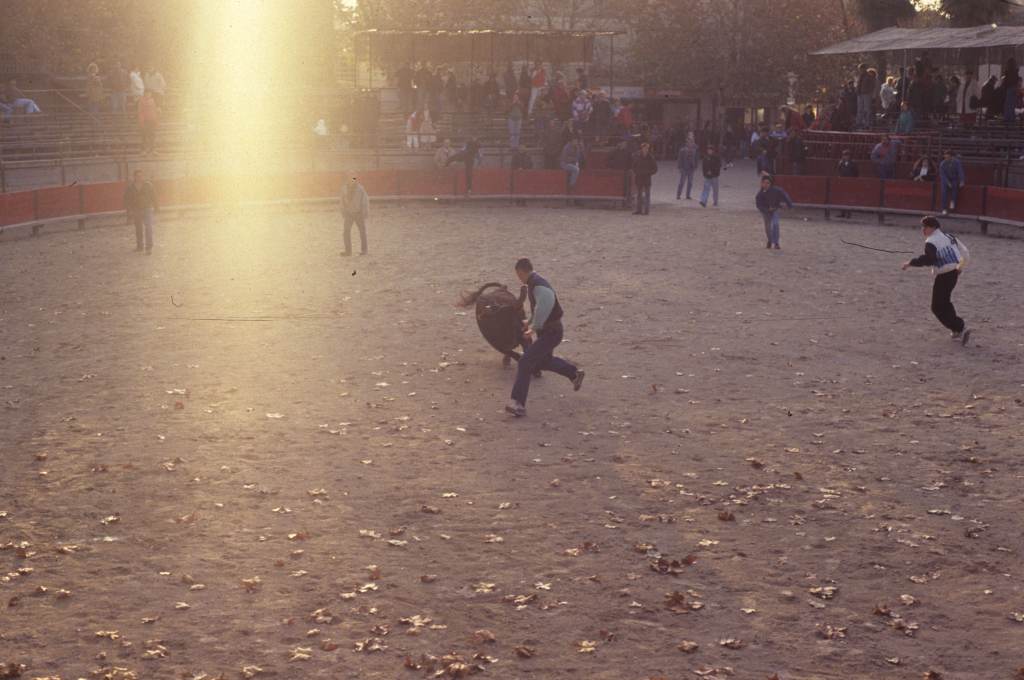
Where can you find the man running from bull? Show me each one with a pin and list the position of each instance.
(545, 328)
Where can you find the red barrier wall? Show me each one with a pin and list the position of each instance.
(105, 197)
(17, 207)
(601, 183)
(540, 183)
(440, 183)
(971, 200)
(860, 191)
(488, 182)
(903, 194)
(804, 188)
(376, 182)
(57, 202)
(1007, 204)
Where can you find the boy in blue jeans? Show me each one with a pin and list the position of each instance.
(769, 201)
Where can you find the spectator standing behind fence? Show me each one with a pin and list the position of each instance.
(117, 83)
(514, 118)
(154, 82)
(711, 165)
(435, 91)
(769, 201)
(355, 207)
(538, 82)
(924, 170)
(887, 95)
(403, 81)
(412, 129)
(796, 149)
(149, 117)
(1010, 84)
(645, 166)
(581, 110)
(93, 88)
(510, 81)
(136, 86)
(905, 123)
(884, 157)
(865, 95)
(553, 145)
(140, 204)
(952, 179)
(686, 161)
(847, 168)
(571, 160)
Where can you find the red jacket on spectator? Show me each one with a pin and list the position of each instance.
(149, 114)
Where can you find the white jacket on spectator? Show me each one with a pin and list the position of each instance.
(136, 87)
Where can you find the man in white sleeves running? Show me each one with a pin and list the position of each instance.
(946, 256)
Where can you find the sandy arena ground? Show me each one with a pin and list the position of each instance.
(245, 456)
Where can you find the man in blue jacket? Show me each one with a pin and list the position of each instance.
(687, 164)
(952, 178)
(884, 156)
(545, 328)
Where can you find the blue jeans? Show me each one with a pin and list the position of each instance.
(515, 126)
(143, 229)
(574, 173)
(886, 170)
(685, 177)
(540, 356)
(6, 111)
(710, 184)
(643, 198)
(949, 191)
(771, 226)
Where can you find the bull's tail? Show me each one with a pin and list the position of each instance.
(468, 298)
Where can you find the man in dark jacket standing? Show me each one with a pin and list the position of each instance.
(711, 165)
(644, 167)
(545, 329)
(140, 203)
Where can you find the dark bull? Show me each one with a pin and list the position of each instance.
(499, 315)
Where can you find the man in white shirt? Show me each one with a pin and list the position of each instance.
(946, 256)
(136, 86)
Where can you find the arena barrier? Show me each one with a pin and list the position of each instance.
(986, 204)
(79, 202)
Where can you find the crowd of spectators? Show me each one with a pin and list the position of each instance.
(920, 94)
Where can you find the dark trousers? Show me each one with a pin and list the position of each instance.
(942, 306)
(539, 356)
(361, 223)
(143, 221)
(643, 197)
(685, 180)
(469, 162)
